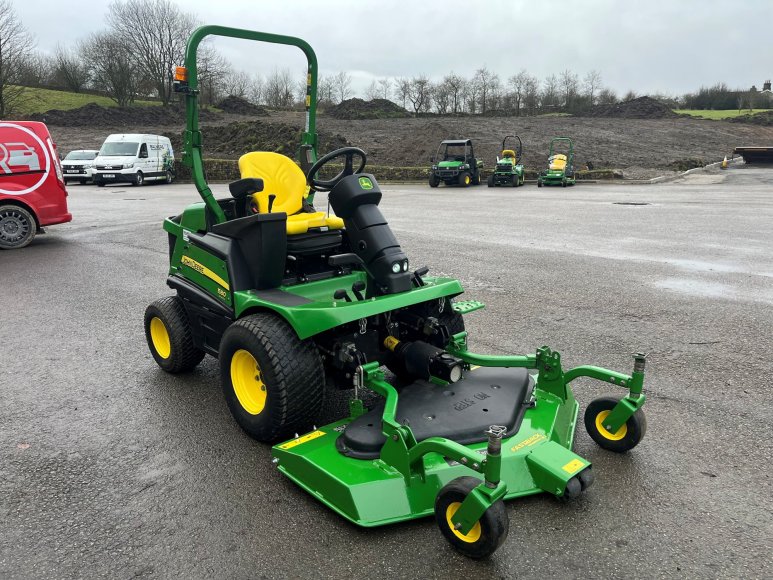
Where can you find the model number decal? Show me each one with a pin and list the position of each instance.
(301, 440)
(203, 270)
(528, 442)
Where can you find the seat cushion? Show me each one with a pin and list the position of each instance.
(462, 411)
(300, 223)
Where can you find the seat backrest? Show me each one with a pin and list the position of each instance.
(557, 161)
(281, 178)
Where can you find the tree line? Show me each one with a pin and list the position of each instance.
(135, 55)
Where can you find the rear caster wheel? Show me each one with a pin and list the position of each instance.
(626, 438)
(273, 381)
(577, 485)
(539, 183)
(488, 533)
(169, 337)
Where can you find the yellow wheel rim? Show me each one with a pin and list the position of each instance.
(608, 434)
(247, 381)
(470, 537)
(467, 180)
(159, 336)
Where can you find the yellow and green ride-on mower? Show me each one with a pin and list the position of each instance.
(560, 169)
(295, 302)
(508, 170)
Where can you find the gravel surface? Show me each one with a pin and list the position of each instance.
(111, 468)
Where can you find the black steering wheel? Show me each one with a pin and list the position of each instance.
(349, 153)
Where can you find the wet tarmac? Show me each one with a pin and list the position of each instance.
(111, 468)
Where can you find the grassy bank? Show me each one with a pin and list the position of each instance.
(717, 115)
(37, 100)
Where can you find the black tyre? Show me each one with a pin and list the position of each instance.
(465, 179)
(17, 227)
(513, 180)
(563, 183)
(100, 183)
(626, 438)
(169, 337)
(490, 181)
(486, 535)
(168, 177)
(433, 181)
(139, 179)
(273, 382)
(83, 181)
(539, 183)
(476, 178)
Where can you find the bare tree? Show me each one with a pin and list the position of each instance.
(70, 71)
(549, 96)
(237, 83)
(531, 95)
(155, 32)
(384, 88)
(342, 86)
(279, 89)
(518, 85)
(485, 80)
(16, 46)
(569, 88)
(257, 86)
(420, 94)
(441, 96)
(212, 70)
(456, 88)
(607, 97)
(325, 90)
(36, 70)
(112, 67)
(592, 83)
(629, 96)
(402, 90)
(372, 92)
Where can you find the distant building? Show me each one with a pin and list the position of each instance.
(765, 98)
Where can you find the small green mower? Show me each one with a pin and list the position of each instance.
(294, 302)
(455, 164)
(560, 169)
(509, 169)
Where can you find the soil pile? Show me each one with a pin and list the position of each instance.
(239, 106)
(93, 115)
(765, 119)
(359, 109)
(235, 139)
(641, 108)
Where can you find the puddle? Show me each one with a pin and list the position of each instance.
(696, 287)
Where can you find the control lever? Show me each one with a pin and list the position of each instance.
(341, 294)
(357, 289)
(271, 199)
(418, 274)
(345, 260)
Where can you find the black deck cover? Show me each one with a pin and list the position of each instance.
(462, 411)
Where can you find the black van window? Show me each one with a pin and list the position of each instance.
(144, 150)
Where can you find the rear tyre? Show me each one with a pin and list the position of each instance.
(17, 227)
(168, 332)
(476, 179)
(433, 181)
(169, 177)
(491, 180)
(488, 533)
(626, 438)
(465, 179)
(139, 179)
(539, 183)
(273, 382)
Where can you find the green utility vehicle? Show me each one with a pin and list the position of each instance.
(560, 169)
(294, 302)
(509, 169)
(455, 164)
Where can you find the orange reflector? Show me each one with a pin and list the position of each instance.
(181, 74)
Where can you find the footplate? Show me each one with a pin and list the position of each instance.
(467, 306)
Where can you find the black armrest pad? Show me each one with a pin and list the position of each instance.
(244, 187)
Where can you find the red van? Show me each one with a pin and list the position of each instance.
(32, 191)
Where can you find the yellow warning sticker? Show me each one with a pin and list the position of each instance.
(301, 440)
(574, 465)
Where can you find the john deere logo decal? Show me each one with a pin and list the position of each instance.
(366, 183)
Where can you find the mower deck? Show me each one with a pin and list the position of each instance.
(369, 492)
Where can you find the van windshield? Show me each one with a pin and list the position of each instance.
(80, 155)
(118, 149)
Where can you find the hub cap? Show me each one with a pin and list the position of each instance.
(470, 537)
(14, 226)
(159, 335)
(247, 381)
(608, 434)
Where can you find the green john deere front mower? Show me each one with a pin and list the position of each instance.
(294, 302)
(560, 169)
(455, 164)
(508, 170)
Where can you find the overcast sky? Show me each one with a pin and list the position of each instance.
(670, 46)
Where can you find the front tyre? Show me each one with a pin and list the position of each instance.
(273, 382)
(625, 438)
(433, 181)
(139, 179)
(168, 332)
(17, 227)
(488, 533)
(490, 181)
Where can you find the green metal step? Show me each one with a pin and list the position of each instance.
(467, 306)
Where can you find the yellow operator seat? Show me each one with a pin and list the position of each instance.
(509, 153)
(285, 180)
(557, 162)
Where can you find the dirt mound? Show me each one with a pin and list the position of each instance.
(239, 106)
(235, 139)
(765, 119)
(358, 109)
(93, 115)
(641, 108)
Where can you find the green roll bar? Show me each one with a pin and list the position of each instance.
(192, 156)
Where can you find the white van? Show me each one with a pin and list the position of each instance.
(134, 158)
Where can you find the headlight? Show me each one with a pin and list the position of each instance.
(396, 267)
(405, 266)
(128, 165)
(88, 166)
(434, 167)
